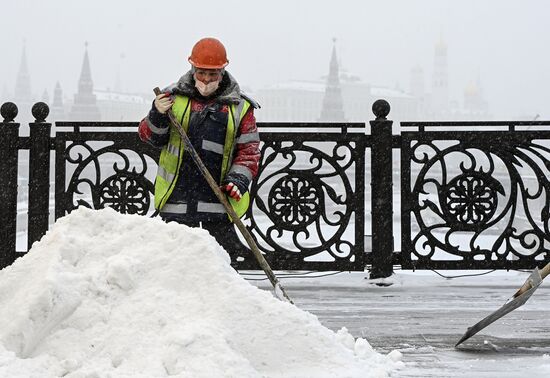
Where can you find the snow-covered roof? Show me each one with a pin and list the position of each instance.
(311, 86)
(319, 86)
(389, 92)
(106, 95)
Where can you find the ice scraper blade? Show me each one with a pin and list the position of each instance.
(519, 298)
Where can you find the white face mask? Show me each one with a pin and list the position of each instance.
(206, 89)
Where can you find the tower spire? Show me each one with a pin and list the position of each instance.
(85, 106)
(440, 80)
(85, 84)
(332, 110)
(57, 109)
(23, 81)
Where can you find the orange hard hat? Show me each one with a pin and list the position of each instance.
(208, 53)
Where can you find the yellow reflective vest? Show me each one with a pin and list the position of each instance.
(171, 156)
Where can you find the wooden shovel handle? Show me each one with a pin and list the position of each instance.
(545, 271)
(279, 290)
(527, 285)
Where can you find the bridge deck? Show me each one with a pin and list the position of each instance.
(423, 316)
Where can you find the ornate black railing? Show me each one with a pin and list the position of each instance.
(475, 198)
(297, 216)
(470, 198)
(103, 164)
(307, 201)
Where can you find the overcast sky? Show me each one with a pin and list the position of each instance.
(505, 43)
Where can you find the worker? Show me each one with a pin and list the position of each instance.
(219, 121)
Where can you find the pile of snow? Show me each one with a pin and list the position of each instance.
(110, 295)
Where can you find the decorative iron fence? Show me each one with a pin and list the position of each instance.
(475, 198)
(470, 199)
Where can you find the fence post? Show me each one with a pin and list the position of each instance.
(39, 173)
(382, 196)
(9, 139)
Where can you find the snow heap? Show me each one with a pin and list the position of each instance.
(111, 295)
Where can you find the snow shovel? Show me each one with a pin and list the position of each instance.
(519, 298)
(279, 290)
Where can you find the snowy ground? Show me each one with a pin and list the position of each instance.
(110, 295)
(423, 316)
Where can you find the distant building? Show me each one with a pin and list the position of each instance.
(117, 106)
(417, 89)
(475, 105)
(337, 97)
(84, 107)
(296, 101)
(91, 104)
(57, 110)
(439, 100)
(332, 110)
(22, 93)
(342, 97)
(45, 97)
(437, 104)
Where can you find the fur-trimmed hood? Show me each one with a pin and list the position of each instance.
(228, 92)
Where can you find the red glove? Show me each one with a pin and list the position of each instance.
(232, 191)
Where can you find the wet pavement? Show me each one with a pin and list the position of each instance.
(423, 316)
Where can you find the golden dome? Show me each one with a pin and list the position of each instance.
(471, 89)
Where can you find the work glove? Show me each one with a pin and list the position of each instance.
(233, 191)
(163, 102)
(235, 185)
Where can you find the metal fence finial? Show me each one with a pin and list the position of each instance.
(8, 111)
(381, 109)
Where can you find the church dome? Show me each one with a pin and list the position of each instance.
(471, 90)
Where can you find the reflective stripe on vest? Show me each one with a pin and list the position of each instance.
(171, 155)
(202, 207)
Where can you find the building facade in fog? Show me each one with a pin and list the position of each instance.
(438, 104)
(22, 94)
(346, 97)
(57, 109)
(92, 104)
(88, 104)
(475, 105)
(84, 107)
(339, 97)
(332, 108)
(119, 106)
